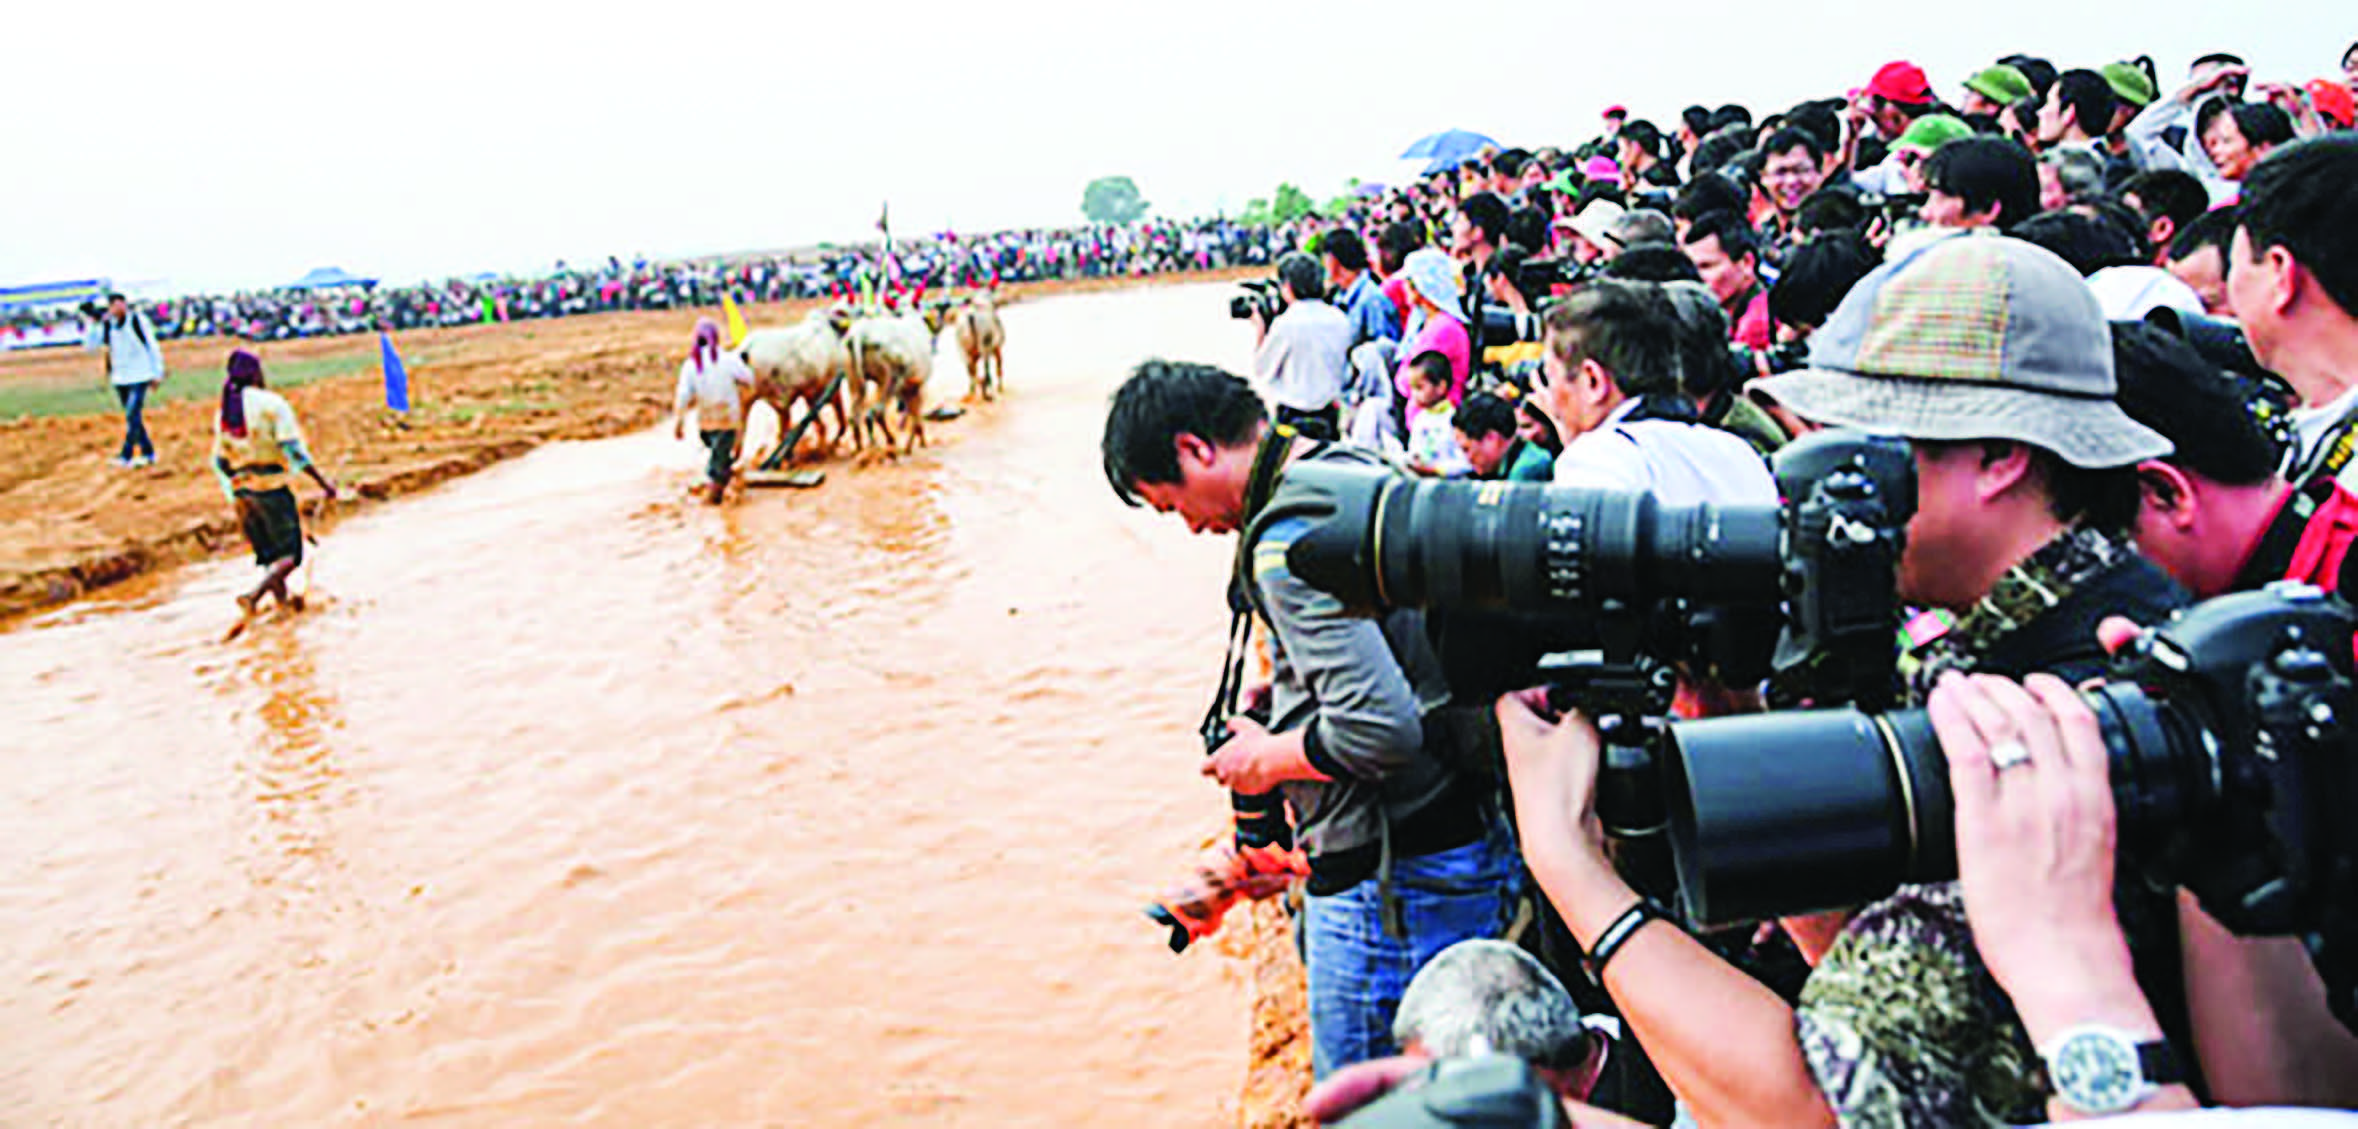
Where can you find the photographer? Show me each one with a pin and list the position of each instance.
(1373, 316)
(2218, 518)
(2024, 490)
(2293, 280)
(2215, 514)
(1302, 359)
(1610, 381)
(1405, 858)
(134, 366)
(1709, 372)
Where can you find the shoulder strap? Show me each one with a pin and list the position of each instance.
(2334, 451)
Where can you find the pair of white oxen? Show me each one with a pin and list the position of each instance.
(868, 367)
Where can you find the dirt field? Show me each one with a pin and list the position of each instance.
(70, 523)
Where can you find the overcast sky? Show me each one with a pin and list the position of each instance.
(243, 142)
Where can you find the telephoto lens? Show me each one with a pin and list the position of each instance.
(1383, 540)
(2224, 731)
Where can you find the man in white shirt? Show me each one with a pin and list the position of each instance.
(1609, 380)
(2293, 283)
(1302, 357)
(134, 365)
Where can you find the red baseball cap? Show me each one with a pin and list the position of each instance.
(2333, 101)
(1616, 111)
(1901, 82)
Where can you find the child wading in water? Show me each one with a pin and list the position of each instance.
(257, 446)
(712, 385)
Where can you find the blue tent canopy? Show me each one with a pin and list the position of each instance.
(327, 278)
(42, 294)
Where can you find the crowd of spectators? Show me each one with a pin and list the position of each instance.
(2015, 275)
(925, 264)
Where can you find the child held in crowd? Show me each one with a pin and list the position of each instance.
(1432, 434)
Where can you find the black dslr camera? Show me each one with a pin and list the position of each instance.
(1261, 298)
(1480, 1092)
(1784, 356)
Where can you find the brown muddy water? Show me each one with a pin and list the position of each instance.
(572, 802)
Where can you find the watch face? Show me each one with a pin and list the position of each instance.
(2097, 1072)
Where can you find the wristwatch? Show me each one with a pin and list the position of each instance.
(2100, 1070)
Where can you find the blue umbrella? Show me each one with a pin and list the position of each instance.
(1447, 147)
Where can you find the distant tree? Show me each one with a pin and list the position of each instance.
(1256, 213)
(1334, 209)
(1290, 204)
(1113, 199)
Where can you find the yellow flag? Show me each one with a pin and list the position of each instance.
(736, 322)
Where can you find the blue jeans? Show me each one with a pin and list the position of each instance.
(135, 441)
(1358, 972)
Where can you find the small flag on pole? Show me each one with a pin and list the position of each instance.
(736, 321)
(396, 377)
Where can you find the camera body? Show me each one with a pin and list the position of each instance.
(1894, 208)
(1482, 1091)
(1262, 298)
(1782, 357)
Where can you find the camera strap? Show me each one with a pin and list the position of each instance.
(2334, 453)
(1259, 485)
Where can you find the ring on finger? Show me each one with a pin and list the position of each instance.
(2007, 754)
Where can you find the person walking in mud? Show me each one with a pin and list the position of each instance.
(713, 383)
(134, 366)
(257, 445)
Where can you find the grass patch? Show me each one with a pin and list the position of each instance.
(93, 397)
(470, 411)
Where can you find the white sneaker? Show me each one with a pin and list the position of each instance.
(143, 461)
(120, 461)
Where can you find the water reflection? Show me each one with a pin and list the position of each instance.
(290, 770)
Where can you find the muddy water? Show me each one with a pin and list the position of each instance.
(571, 802)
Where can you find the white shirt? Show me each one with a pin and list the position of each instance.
(135, 355)
(2311, 426)
(1305, 357)
(1680, 464)
(2130, 293)
(712, 392)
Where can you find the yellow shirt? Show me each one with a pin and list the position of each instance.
(256, 461)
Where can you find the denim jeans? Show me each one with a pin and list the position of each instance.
(135, 441)
(1358, 972)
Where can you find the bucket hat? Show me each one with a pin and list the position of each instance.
(1972, 337)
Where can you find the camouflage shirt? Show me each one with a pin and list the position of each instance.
(1901, 1024)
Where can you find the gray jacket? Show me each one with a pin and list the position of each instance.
(1359, 685)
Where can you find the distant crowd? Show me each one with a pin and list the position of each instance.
(914, 266)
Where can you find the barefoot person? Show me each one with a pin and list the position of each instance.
(256, 446)
(712, 385)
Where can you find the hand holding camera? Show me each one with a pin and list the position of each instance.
(2035, 837)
